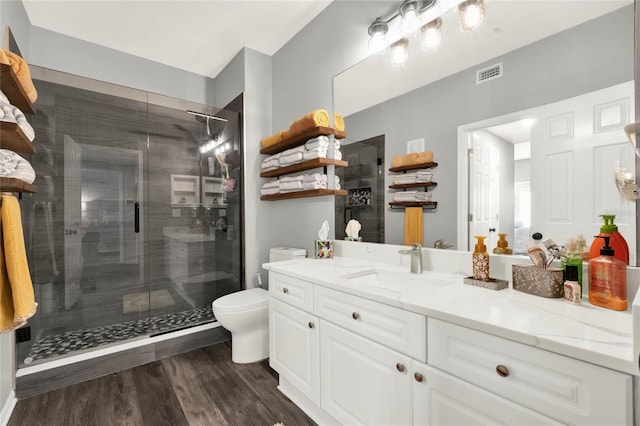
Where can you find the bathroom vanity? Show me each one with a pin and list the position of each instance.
(359, 342)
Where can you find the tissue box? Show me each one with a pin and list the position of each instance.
(324, 249)
(537, 281)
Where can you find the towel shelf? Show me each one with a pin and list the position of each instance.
(15, 185)
(413, 185)
(423, 204)
(13, 138)
(13, 89)
(413, 167)
(303, 194)
(300, 138)
(307, 165)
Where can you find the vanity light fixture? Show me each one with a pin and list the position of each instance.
(471, 14)
(413, 14)
(632, 130)
(431, 34)
(400, 52)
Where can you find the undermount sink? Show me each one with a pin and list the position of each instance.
(393, 284)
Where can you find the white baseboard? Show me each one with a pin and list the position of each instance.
(7, 408)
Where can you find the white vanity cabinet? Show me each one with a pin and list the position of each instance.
(363, 382)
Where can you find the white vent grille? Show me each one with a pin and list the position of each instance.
(489, 73)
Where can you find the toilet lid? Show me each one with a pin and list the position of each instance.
(241, 300)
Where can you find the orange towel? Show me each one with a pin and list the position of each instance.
(338, 122)
(413, 225)
(274, 139)
(21, 69)
(404, 160)
(316, 118)
(424, 157)
(17, 301)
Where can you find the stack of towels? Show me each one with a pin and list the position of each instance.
(421, 176)
(412, 159)
(13, 114)
(317, 147)
(14, 166)
(304, 182)
(21, 70)
(315, 118)
(412, 196)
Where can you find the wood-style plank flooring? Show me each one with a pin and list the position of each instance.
(202, 387)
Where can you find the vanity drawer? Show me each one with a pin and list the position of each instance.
(395, 328)
(293, 291)
(563, 388)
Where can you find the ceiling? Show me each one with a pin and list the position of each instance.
(198, 36)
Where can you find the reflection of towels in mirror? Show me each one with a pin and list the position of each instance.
(14, 166)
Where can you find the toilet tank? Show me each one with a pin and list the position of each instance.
(277, 254)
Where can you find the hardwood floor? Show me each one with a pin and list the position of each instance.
(202, 387)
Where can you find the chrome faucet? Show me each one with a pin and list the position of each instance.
(416, 258)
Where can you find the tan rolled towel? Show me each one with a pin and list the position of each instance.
(315, 118)
(404, 160)
(424, 157)
(274, 139)
(338, 122)
(21, 69)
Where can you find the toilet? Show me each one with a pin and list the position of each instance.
(246, 315)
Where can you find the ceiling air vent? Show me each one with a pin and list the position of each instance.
(489, 73)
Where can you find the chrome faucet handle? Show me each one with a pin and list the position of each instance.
(416, 246)
(416, 257)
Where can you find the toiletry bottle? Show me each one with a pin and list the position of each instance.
(502, 247)
(480, 260)
(537, 255)
(608, 279)
(572, 290)
(616, 240)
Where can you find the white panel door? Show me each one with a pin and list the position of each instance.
(440, 399)
(363, 383)
(72, 221)
(575, 147)
(294, 350)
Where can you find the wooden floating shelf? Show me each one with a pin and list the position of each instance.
(303, 194)
(13, 138)
(13, 89)
(423, 204)
(300, 138)
(413, 167)
(413, 185)
(15, 185)
(307, 165)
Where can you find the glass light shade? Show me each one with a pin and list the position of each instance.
(471, 14)
(400, 52)
(410, 17)
(378, 36)
(431, 34)
(632, 130)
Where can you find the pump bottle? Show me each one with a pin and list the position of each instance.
(480, 260)
(616, 240)
(608, 279)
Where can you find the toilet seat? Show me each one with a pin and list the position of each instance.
(244, 300)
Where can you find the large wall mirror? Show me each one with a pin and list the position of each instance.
(537, 147)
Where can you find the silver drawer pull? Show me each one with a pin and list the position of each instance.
(419, 377)
(400, 367)
(285, 290)
(502, 371)
(355, 315)
(311, 325)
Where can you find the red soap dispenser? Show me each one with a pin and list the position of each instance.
(616, 240)
(608, 279)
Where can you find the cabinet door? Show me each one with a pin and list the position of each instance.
(441, 399)
(363, 382)
(294, 347)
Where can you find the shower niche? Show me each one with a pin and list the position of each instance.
(128, 194)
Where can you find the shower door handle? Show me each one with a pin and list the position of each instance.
(136, 218)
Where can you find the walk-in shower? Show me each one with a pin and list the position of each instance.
(136, 225)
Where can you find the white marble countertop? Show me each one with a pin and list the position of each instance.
(600, 336)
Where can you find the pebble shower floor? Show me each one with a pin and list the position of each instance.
(63, 344)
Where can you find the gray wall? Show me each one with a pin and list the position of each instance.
(574, 62)
(522, 170)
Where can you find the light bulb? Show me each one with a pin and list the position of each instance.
(400, 52)
(432, 34)
(203, 149)
(410, 21)
(378, 36)
(471, 14)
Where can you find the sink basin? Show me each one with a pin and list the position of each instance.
(392, 284)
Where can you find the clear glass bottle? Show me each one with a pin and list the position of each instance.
(608, 279)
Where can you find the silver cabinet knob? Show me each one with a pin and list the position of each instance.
(311, 324)
(355, 315)
(502, 371)
(419, 377)
(285, 290)
(400, 367)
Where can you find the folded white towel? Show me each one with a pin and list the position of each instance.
(7, 112)
(337, 155)
(314, 185)
(14, 166)
(290, 186)
(337, 178)
(24, 124)
(293, 158)
(317, 142)
(270, 162)
(311, 155)
(338, 186)
(269, 191)
(412, 196)
(3, 98)
(292, 151)
(298, 178)
(315, 177)
(272, 184)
